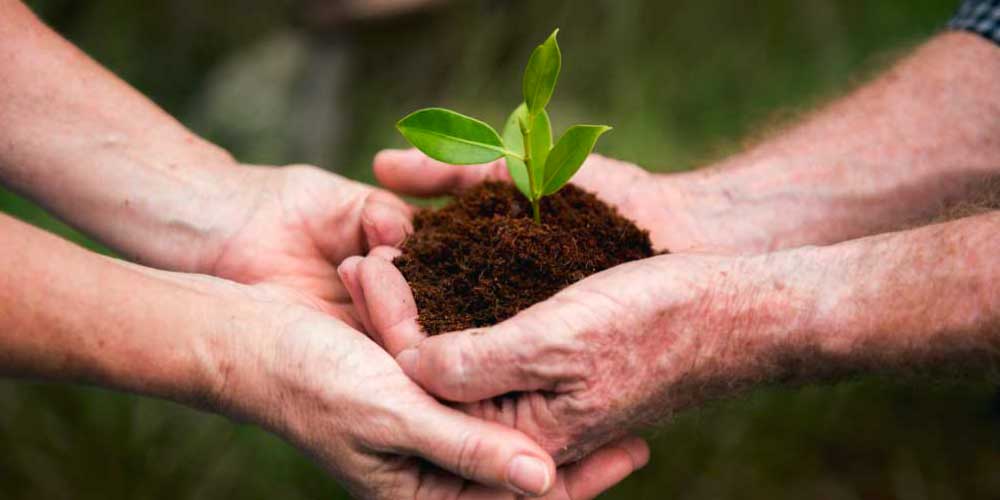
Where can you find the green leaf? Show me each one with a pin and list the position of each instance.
(451, 137)
(541, 74)
(541, 143)
(569, 154)
(514, 141)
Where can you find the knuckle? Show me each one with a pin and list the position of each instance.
(467, 457)
(543, 356)
(450, 366)
(383, 425)
(377, 198)
(298, 170)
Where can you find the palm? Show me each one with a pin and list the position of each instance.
(302, 222)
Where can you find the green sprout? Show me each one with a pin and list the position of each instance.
(536, 166)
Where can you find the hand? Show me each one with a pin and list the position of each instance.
(335, 394)
(327, 387)
(622, 348)
(292, 226)
(657, 203)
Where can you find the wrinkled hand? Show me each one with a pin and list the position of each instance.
(335, 394)
(656, 203)
(292, 226)
(622, 348)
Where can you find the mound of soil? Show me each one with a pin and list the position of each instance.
(481, 259)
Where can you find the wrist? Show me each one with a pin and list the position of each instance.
(757, 318)
(707, 212)
(720, 323)
(237, 341)
(680, 225)
(816, 309)
(183, 221)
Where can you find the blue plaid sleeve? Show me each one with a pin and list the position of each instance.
(979, 16)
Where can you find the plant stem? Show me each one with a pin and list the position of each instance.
(534, 198)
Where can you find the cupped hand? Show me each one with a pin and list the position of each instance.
(622, 348)
(656, 203)
(292, 226)
(331, 391)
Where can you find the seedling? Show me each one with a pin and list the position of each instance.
(537, 167)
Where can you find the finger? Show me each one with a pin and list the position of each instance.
(348, 273)
(472, 365)
(411, 172)
(385, 219)
(385, 252)
(481, 451)
(436, 483)
(600, 470)
(392, 310)
(583, 480)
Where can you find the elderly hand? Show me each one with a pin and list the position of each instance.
(338, 396)
(621, 348)
(335, 394)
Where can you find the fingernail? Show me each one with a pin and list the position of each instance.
(529, 475)
(407, 360)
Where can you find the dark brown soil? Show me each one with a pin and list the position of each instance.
(481, 259)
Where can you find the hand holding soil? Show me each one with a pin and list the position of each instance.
(559, 315)
(600, 357)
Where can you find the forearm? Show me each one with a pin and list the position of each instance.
(916, 301)
(919, 301)
(97, 153)
(925, 134)
(70, 315)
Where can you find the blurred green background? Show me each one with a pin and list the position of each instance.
(683, 82)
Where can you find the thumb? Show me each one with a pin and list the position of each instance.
(412, 173)
(481, 451)
(385, 219)
(473, 365)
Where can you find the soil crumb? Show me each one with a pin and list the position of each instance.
(481, 259)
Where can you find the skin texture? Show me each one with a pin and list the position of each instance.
(258, 354)
(271, 337)
(922, 136)
(101, 156)
(634, 344)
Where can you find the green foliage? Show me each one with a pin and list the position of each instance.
(537, 168)
(541, 74)
(451, 137)
(569, 154)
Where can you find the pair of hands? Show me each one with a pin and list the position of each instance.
(317, 380)
(586, 366)
(621, 349)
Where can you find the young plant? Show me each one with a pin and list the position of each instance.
(537, 167)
